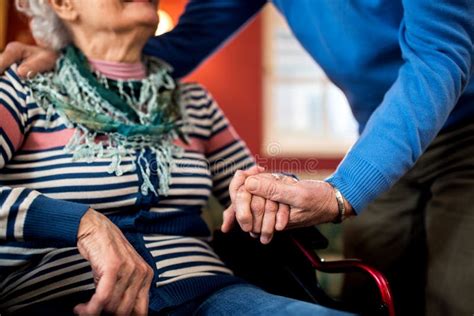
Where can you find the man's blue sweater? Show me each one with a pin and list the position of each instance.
(404, 65)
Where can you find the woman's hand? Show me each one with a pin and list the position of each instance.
(32, 59)
(122, 277)
(256, 215)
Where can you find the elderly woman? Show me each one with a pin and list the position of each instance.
(105, 164)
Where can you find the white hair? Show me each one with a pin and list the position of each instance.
(45, 25)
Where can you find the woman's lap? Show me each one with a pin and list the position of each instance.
(75, 285)
(238, 299)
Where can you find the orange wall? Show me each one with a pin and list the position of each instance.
(234, 77)
(18, 29)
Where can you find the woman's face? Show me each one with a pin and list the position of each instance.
(118, 16)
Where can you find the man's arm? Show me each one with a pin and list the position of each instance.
(203, 27)
(436, 39)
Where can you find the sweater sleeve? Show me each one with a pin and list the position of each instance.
(436, 39)
(25, 214)
(202, 28)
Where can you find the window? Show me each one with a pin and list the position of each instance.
(304, 113)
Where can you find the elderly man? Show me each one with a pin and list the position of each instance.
(405, 66)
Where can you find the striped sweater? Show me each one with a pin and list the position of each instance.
(44, 193)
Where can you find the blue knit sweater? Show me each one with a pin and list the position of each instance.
(404, 65)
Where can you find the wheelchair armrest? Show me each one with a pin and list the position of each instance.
(345, 266)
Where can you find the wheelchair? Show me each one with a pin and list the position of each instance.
(287, 267)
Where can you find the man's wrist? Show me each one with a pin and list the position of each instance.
(339, 206)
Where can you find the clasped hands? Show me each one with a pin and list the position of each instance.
(263, 203)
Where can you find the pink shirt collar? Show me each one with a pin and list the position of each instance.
(119, 71)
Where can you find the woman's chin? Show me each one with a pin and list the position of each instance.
(146, 10)
(145, 17)
(135, 3)
(140, 1)
(150, 24)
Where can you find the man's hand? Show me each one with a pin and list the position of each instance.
(254, 214)
(32, 59)
(122, 277)
(311, 202)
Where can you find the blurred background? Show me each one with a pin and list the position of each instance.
(279, 101)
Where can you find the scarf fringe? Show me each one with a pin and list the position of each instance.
(67, 85)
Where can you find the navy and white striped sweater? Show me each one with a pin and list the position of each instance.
(44, 193)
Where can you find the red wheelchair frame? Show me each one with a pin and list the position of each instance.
(347, 265)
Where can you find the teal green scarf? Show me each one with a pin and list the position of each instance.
(136, 116)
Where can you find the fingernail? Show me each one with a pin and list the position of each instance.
(251, 184)
(25, 73)
(30, 74)
(264, 240)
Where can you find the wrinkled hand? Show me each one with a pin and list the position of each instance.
(258, 216)
(311, 202)
(122, 277)
(32, 59)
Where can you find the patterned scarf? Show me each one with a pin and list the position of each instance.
(143, 116)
